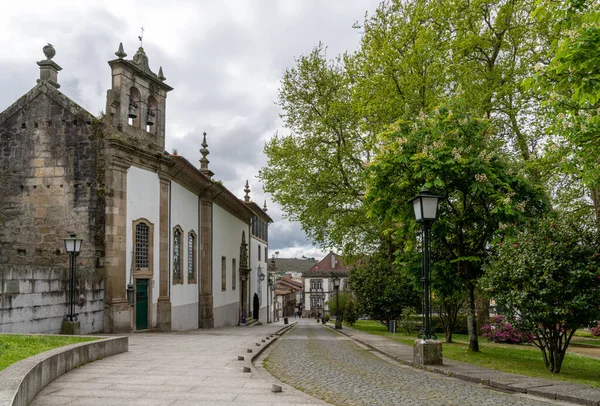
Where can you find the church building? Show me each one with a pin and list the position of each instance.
(189, 253)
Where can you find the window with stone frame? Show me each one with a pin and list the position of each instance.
(142, 232)
(233, 274)
(266, 256)
(192, 253)
(223, 273)
(177, 255)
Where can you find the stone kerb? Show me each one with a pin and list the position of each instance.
(22, 381)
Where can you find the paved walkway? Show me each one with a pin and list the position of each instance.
(191, 368)
(202, 367)
(551, 389)
(330, 366)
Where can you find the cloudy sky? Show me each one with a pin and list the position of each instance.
(224, 58)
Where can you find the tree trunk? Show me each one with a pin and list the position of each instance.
(471, 320)
(595, 193)
(553, 342)
(482, 306)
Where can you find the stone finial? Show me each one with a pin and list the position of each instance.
(161, 76)
(265, 207)
(247, 191)
(49, 51)
(48, 68)
(204, 161)
(120, 52)
(141, 60)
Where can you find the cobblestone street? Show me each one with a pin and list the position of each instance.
(329, 366)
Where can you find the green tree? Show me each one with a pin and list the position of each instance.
(382, 289)
(347, 310)
(413, 55)
(449, 291)
(570, 83)
(316, 170)
(459, 157)
(547, 276)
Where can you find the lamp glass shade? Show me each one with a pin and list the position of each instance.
(425, 205)
(262, 277)
(336, 283)
(418, 210)
(429, 205)
(72, 243)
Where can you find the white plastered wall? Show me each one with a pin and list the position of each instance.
(255, 278)
(184, 297)
(227, 238)
(143, 201)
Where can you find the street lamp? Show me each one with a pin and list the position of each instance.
(72, 246)
(425, 206)
(336, 285)
(271, 280)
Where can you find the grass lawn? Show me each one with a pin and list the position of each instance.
(14, 347)
(516, 359)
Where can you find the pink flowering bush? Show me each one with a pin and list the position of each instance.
(501, 331)
(595, 330)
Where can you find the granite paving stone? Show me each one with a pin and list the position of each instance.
(319, 361)
(191, 368)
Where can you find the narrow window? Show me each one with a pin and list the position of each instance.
(233, 274)
(141, 245)
(266, 256)
(192, 257)
(177, 257)
(259, 253)
(223, 273)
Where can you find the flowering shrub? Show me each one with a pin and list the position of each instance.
(595, 330)
(501, 331)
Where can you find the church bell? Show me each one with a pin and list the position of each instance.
(132, 113)
(150, 118)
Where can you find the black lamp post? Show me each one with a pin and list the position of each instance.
(425, 206)
(130, 289)
(72, 246)
(336, 285)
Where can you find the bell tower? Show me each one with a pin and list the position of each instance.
(136, 102)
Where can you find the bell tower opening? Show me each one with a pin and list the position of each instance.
(133, 111)
(136, 102)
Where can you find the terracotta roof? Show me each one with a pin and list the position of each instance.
(293, 264)
(285, 283)
(331, 265)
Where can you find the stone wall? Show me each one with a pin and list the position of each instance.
(35, 299)
(52, 183)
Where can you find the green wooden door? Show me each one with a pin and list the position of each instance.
(141, 304)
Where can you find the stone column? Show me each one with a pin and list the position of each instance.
(164, 301)
(117, 312)
(206, 296)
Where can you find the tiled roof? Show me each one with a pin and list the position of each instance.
(287, 284)
(331, 265)
(293, 264)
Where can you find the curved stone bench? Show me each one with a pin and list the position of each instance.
(21, 382)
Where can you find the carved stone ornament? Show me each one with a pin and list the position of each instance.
(49, 51)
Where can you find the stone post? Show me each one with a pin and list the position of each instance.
(206, 297)
(427, 352)
(164, 301)
(117, 310)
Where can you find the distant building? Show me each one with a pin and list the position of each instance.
(318, 284)
(288, 297)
